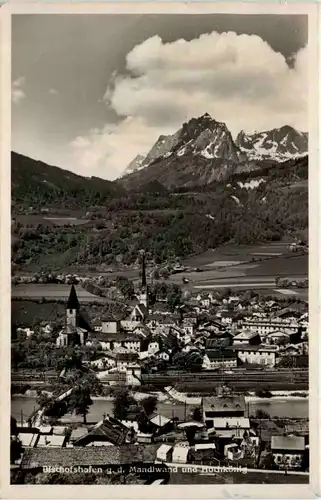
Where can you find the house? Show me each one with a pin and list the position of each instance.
(107, 430)
(256, 354)
(232, 451)
(226, 317)
(50, 441)
(247, 337)
(163, 355)
(160, 424)
(27, 331)
(76, 434)
(142, 330)
(290, 350)
(139, 313)
(109, 324)
(164, 453)
(288, 451)
(97, 325)
(105, 362)
(113, 341)
(219, 359)
(222, 406)
(278, 338)
(149, 347)
(125, 360)
(233, 299)
(188, 326)
(219, 340)
(264, 326)
(205, 302)
(133, 374)
(288, 313)
(180, 454)
(231, 427)
(28, 439)
(71, 336)
(180, 334)
(144, 438)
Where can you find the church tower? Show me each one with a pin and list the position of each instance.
(143, 297)
(72, 310)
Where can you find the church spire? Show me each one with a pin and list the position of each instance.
(73, 303)
(143, 296)
(144, 283)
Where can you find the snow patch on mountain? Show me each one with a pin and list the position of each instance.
(235, 198)
(277, 144)
(252, 184)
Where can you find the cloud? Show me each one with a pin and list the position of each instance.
(53, 92)
(106, 152)
(237, 79)
(17, 90)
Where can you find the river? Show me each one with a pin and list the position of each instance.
(277, 407)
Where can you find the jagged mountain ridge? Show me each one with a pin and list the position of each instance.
(134, 165)
(279, 144)
(162, 146)
(203, 151)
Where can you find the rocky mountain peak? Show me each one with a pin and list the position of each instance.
(278, 144)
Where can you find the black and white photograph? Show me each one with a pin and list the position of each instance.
(160, 248)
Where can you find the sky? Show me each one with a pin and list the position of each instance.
(90, 92)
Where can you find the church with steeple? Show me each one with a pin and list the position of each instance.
(140, 312)
(76, 328)
(143, 295)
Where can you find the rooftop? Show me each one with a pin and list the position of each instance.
(159, 420)
(213, 354)
(113, 431)
(115, 337)
(51, 441)
(246, 335)
(95, 456)
(249, 347)
(291, 443)
(224, 403)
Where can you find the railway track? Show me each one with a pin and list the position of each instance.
(278, 380)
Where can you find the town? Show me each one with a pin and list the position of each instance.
(207, 359)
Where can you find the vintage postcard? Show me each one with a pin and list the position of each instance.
(159, 306)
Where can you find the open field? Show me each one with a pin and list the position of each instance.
(290, 265)
(25, 312)
(240, 253)
(70, 221)
(52, 291)
(297, 293)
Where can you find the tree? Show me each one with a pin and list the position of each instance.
(15, 449)
(122, 402)
(197, 415)
(263, 393)
(262, 414)
(149, 404)
(268, 462)
(80, 401)
(13, 426)
(174, 297)
(126, 287)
